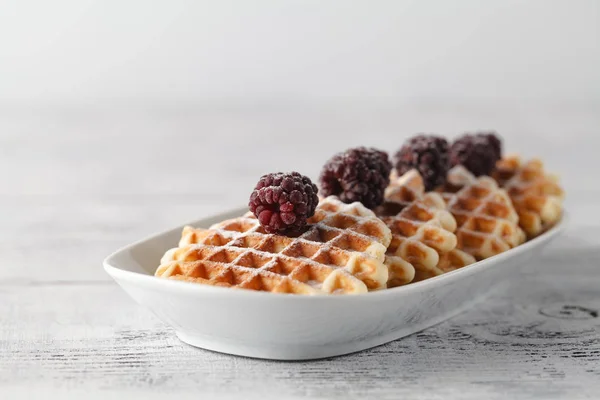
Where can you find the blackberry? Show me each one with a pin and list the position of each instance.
(478, 153)
(358, 174)
(428, 154)
(283, 202)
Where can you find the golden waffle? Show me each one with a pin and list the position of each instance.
(403, 190)
(422, 234)
(398, 268)
(457, 178)
(487, 221)
(536, 195)
(342, 251)
(449, 261)
(422, 231)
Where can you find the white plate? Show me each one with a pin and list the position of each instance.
(293, 327)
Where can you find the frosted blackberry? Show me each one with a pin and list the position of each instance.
(428, 154)
(283, 202)
(478, 153)
(358, 174)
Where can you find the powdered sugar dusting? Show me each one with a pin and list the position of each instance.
(347, 239)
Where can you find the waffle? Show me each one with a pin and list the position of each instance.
(398, 268)
(342, 251)
(422, 230)
(536, 195)
(487, 221)
(404, 189)
(457, 178)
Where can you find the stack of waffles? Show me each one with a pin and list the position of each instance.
(347, 248)
(536, 195)
(487, 221)
(423, 231)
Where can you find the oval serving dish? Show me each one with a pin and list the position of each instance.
(294, 327)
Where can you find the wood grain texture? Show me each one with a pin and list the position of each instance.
(78, 183)
(539, 337)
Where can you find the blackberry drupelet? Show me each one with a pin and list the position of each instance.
(358, 174)
(283, 202)
(428, 154)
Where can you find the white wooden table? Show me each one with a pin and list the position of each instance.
(79, 182)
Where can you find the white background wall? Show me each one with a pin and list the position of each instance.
(86, 50)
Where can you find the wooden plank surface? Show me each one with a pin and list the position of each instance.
(80, 182)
